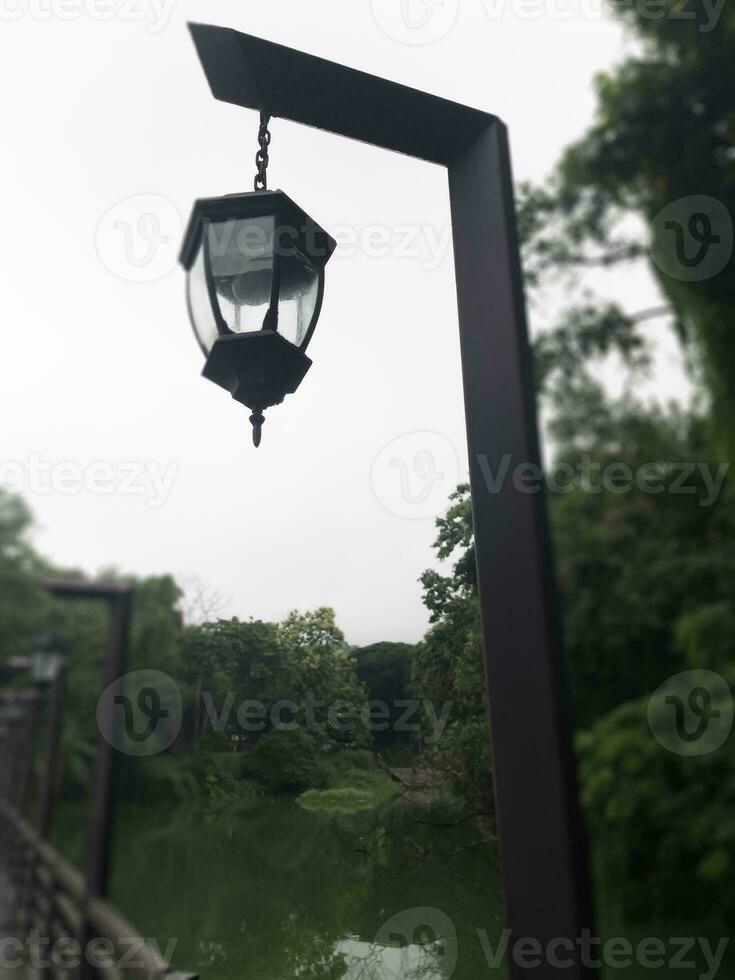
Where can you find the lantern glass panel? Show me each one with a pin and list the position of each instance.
(45, 667)
(241, 257)
(299, 292)
(201, 313)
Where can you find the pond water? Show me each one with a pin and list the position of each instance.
(266, 890)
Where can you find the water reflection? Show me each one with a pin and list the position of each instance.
(369, 961)
(270, 891)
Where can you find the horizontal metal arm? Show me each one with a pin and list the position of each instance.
(257, 74)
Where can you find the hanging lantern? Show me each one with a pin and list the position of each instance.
(255, 282)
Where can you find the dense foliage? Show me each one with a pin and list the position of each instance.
(385, 670)
(664, 818)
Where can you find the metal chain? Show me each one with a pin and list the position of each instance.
(261, 157)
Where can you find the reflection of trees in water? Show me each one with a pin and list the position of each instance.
(413, 961)
(265, 889)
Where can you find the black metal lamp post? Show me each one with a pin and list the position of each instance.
(541, 839)
(48, 670)
(255, 284)
(12, 717)
(117, 596)
(47, 659)
(46, 665)
(18, 711)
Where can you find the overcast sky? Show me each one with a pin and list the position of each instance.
(126, 455)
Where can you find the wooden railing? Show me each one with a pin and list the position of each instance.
(54, 912)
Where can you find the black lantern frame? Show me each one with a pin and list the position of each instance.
(258, 367)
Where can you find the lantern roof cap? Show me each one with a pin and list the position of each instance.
(319, 243)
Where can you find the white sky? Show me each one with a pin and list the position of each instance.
(97, 368)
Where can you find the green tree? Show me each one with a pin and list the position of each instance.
(297, 674)
(22, 601)
(629, 564)
(230, 662)
(663, 131)
(385, 670)
(448, 666)
(327, 676)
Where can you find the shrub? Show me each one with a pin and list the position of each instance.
(365, 791)
(353, 759)
(285, 761)
(707, 636)
(157, 778)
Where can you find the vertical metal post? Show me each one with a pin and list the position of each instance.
(100, 844)
(51, 761)
(542, 853)
(118, 598)
(25, 760)
(14, 760)
(4, 759)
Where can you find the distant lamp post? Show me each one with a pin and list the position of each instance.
(12, 711)
(255, 283)
(47, 659)
(48, 669)
(17, 715)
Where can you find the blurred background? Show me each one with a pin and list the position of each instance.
(276, 841)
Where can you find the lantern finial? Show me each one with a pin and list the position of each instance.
(256, 420)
